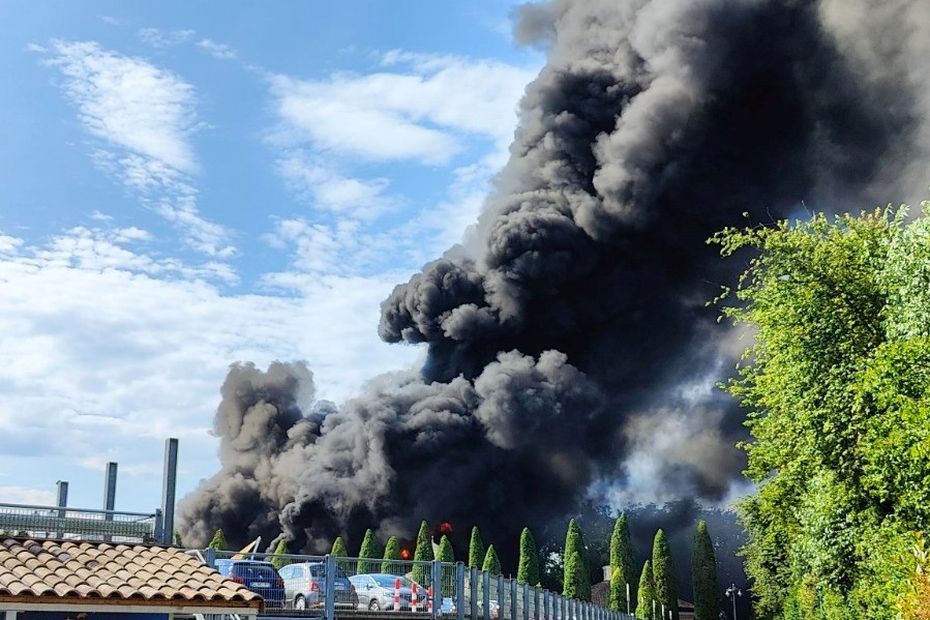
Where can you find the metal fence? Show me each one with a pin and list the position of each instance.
(86, 524)
(300, 585)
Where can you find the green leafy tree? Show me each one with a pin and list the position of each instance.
(576, 578)
(218, 542)
(663, 574)
(491, 562)
(646, 595)
(277, 559)
(390, 565)
(177, 539)
(616, 595)
(422, 554)
(475, 549)
(369, 550)
(704, 575)
(837, 384)
(528, 567)
(621, 562)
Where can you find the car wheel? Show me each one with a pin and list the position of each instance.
(299, 602)
(374, 605)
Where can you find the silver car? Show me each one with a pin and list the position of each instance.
(376, 591)
(305, 585)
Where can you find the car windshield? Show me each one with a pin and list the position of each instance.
(387, 581)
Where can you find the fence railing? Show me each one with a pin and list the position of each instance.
(329, 586)
(86, 524)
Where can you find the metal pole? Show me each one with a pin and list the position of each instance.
(513, 599)
(109, 493)
(526, 602)
(437, 588)
(460, 591)
(168, 489)
(329, 600)
(473, 591)
(486, 594)
(502, 596)
(733, 596)
(62, 501)
(628, 599)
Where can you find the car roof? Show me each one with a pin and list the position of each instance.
(256, 562)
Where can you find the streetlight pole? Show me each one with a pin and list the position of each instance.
(731, 593)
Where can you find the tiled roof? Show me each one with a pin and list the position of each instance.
(48, 570)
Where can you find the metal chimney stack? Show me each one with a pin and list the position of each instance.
(109, 488)
(169, 484)
(62, 501)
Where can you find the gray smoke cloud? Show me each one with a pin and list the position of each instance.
(569, 346)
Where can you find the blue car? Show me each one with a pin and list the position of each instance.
(259, 577)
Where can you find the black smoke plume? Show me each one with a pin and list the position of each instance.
(570, 351)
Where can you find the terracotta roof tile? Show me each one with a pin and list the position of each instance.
(67, 569)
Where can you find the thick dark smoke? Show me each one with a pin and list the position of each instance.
(569, 347)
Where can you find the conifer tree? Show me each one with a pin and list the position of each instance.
(491, 562)
(391, 554)
(616, 597)
(369, 550)
(339, 548)
(646, 594)
(475, 549)
(280, 549)
(528, 568)
(704, 575)
(446, 555)
(621, 559)
(423, 553)
(219, 541)
(663, 574)
(575, 576)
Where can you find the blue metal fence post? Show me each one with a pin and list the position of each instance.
(502, 596)
(436, 581)
(514, 607)
(329, 600)
(526, 601)
(460, 590)
(209, 556)
(473, 591)
(555, 606)
(486, 594)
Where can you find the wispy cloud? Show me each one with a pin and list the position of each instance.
(159, 38)
(144, 117)
(324, 188)
(217, 50)
(419, 113)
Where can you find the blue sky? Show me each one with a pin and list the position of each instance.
(186, 185)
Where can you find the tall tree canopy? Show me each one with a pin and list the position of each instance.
(621, 561)
(391, 554)
(339, 548)
(370, 549)
(422, 554)
(218, 541)
(475, 548)
(663, 574)
(704, 575)
(280, 549)
(528, 567)
(646, 595)
(576, 578)
(837, 381)
(492, 563)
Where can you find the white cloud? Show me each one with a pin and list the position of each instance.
(23, 495)
(419, 115)
(217, 50)
(145, 117)
(110, 349)
(324, 188)
(165, 38)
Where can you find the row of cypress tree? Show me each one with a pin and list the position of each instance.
(657, 586)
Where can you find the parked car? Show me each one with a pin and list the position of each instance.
(259, 577)
(305, 586)
(376, 591)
